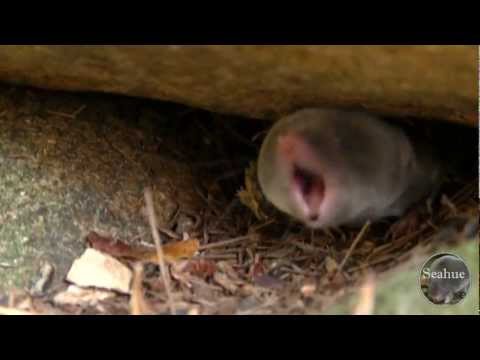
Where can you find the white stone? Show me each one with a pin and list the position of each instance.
(96, 269)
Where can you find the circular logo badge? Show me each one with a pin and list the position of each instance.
(445, 279)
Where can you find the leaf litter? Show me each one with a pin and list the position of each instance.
(271, 278)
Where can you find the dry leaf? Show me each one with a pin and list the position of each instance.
(109, 246)
(180, 250)
(228, 269)
(223, 280)
(75, 295)
(201, 268)
(257, 269)
(172, 251)
(247, 199)
(251, 196)
(331, 265)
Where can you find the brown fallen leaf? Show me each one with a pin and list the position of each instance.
(251, 196)
(172, 251)
(109, 246)
(180, 250)
(257, 269)
(201, 267)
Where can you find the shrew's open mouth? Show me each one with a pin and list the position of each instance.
(311, 188)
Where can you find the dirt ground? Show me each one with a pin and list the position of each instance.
(73, 174)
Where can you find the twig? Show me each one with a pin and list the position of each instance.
(258, 227)
(225, 242)
(79, 110)
(209, 202)
(170, 233)
(219, 256)
(70, 116)
(138, 303)
(156, 237)
(465, 192)
(257, 135)
(354, 244)
(374, 262)
(307, 247)
(449, 204)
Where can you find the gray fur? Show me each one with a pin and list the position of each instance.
(379, 172)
